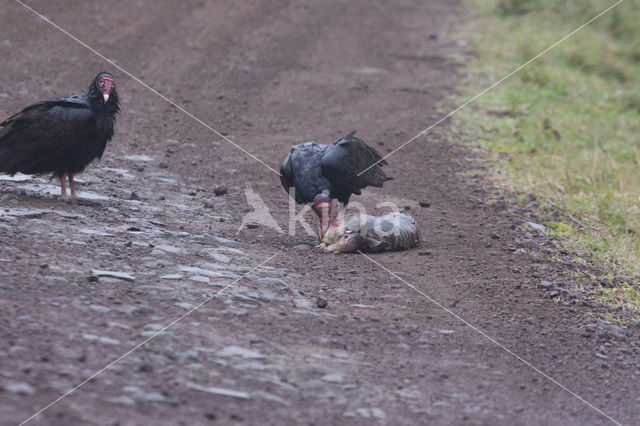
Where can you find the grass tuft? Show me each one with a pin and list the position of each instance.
(567, 127)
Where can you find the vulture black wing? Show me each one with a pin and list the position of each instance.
(344, 159)
(301, 171)
(42, 135)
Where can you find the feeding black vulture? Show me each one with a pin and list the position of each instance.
(316, 173)
(61, 135)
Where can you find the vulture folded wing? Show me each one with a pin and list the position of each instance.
(345, 158)
(301, 170)
(41, 132)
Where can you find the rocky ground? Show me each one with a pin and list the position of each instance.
(300, 337)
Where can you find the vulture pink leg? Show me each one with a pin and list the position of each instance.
(63, 187)
(72, 184)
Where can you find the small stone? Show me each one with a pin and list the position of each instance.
(20, 388)
(220, 190)
(100, 308)
(230, 351)
(252, 225)
(530, 320)
(545, 285)
(97, 273)
(333, 378)
(495, 237)
(134, 196)
(378, 413)
(207, 204)
(219, 391)
(601, 356)
(157, 397)
(424, 253)
(554, 294)
(163, 165)
(171, 277)
(424, 203)
(321, 303)
(635, 323)
(536, 226)
(445, 331)
(123, 400)
(190, 355)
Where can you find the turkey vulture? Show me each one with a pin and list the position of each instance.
(61, 135)
(316, 173)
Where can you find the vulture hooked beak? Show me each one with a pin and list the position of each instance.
(322, 207)
(105, 84)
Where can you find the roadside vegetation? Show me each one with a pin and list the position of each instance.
(567, 127)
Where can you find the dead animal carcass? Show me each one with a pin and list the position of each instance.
(391, 231)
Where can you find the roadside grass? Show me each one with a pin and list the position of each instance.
(567, 127)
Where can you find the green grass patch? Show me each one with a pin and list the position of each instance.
(567, 127)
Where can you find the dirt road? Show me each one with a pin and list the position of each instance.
(270, 74)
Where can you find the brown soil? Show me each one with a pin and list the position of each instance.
(271, 74)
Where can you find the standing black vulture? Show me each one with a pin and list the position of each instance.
(316, 173)
(61, 135)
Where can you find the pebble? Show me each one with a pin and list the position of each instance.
(445, 331)
(219, 391)
(156, 397)
(545, 285)
(97, 273)
(19, 388)
(554, 293)
(101, 339)
(301, 302)
(220, 190)
(272, 282)
(424, 203)
(321, 303)
(123, 400)
(333, 378)
(229, 351)
(171, 277)
(378, 413)
(100, 308)
(536, 226)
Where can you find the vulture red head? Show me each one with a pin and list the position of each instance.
(105, 83)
